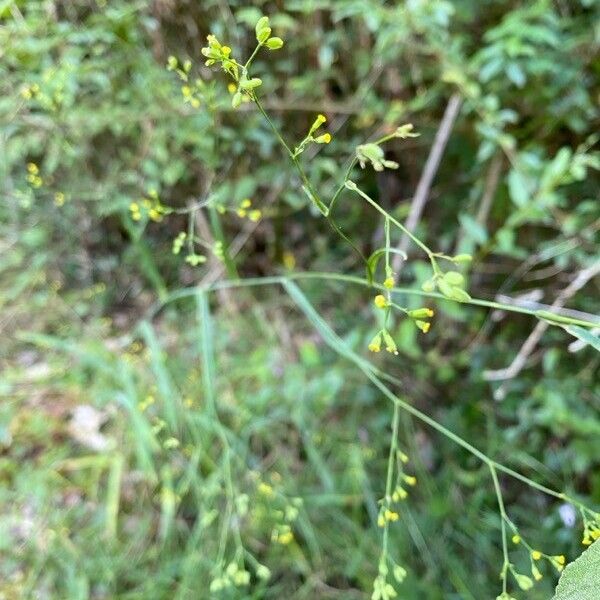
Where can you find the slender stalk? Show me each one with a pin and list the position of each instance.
(343, 278)
(309, 188)
(397, 223)
(503, 519)
(390, 478)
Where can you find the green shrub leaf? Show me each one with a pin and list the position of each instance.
(581, 579)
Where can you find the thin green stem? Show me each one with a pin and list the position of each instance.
(389, 480)
(308, 186)
(397, 223)
(503, 519)
(355, 280)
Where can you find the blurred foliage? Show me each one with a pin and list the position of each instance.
(91, 122)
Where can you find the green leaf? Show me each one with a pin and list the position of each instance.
(585, 336)
(518, 188)
(473, 229)
(581, 579)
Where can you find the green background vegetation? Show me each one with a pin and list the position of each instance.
(132, 500)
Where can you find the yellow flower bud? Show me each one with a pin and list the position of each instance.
(380, 301)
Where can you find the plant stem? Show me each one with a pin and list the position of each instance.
(389, 479)
(353, 279)
(503, 519)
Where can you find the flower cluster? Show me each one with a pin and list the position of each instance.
(417, 315)
(382, 589)
(217, 53)
(386, 512)
(33, 176)
(526, 582)
(192, 92)
(245, 210)
(150, 207)
(310, 138)
(281, 510)
(591, 528)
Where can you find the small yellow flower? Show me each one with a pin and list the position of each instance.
(399, 494)
(380, 301)
(247, 203)
(241, 213)
(381, 521)
(231, 88)
(59, 199)
(285, 538)
(323, 139)
(410, 479)
(516, 539)
(560, 559)
(33, 168)
(155, 215)
(375, 344)
(265, 489)
(424, 326)
(255, 215)
(586, 541)
(403, 457)
(388, 283)
(536, 554)
(289, 260)
(536, 573)
(390, 515)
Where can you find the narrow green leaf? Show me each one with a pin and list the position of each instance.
(585, 336)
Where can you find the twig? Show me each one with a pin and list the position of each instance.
(431, 167)
(534, 337)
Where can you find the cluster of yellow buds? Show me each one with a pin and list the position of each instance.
(383, 335)
(282, 534)
(418, 315)
(245, 210)
(33, 175)
(30, 91)
(591, 531)
(387, 516)
(59, 199)
(400, 492)
(557, 561)
(144, 404)
(191, 92)
(151, 206)
(381, 301)
(324, 138)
